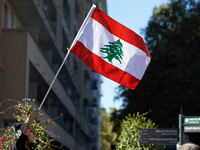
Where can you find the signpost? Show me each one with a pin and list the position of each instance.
(159, 140)
(188, 124)
(160, 136)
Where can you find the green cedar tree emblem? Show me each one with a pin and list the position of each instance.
(114, 50)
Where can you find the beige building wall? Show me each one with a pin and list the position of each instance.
(15, 79)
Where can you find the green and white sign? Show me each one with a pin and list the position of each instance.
(192, 120)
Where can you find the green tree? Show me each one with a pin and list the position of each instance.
(172, 78)
(108, 137)
(43, 137)
(129, 138)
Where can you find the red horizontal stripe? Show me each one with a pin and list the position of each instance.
(120, 30)
(99, 65)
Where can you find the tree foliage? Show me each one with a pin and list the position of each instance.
(130, 135)
(43, 137)
(171, 81)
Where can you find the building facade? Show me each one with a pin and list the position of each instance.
(35, 35)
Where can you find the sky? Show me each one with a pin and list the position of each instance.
(135, 15)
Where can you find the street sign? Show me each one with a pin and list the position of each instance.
(191, 129)
(158, 140)
(192, 120)
(188, 124)
(159, 132)
(160, 136)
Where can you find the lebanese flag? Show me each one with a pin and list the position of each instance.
(111, 49)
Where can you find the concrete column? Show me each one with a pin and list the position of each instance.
(59, 7)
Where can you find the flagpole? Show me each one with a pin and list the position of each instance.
(54, 79)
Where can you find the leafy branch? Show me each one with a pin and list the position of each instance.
(43, 137)
(130, 135)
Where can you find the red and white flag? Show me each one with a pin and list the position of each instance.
(111, 49)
